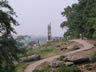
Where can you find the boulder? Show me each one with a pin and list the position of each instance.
(69, 63)
(30, 58)
(55, 63)
(77, 58)
(74, 46)
(58, 45)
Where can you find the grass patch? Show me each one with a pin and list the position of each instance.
(61, 58)
(20, 67)
(42, 70)
(45, 50)
(60, 69)
(68, 69)
(44, 65)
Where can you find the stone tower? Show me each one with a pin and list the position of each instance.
(49, 32)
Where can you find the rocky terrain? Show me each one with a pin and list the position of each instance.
(69, 59)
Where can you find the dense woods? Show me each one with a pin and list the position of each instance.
(81, 19)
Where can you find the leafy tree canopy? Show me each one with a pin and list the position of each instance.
(8, 47)
(81, 18)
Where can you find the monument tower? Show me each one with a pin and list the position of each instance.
(49, 32)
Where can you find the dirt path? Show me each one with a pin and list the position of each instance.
(86, 45)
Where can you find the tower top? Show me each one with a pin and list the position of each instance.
(49, 32)
(49, 24)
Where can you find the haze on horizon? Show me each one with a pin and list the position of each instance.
(35, 15)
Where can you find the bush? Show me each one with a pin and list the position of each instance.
(74, 69)
(42, 70)
(94, 57)
(36, 70)
(62, 69)
(47, 66)
(61, 57)
(95, 44)
(68, 69)
(88, 67)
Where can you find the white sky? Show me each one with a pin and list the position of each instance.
(35, 15)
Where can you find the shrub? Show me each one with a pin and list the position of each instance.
(74, 69)
(94, 57)
(88, 67)
(68, 69)
(62, 69)
(42, 70)
(95, 44)
(61, 57)
(36, 70)
(47, 66)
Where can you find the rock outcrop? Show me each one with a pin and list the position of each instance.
(30, 58)
(69, 63)
(56, 63)
(74, 46)
(77, 59)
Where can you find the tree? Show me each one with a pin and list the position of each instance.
(22, 40)
(8, 47)
(31, 43)
(81, 19)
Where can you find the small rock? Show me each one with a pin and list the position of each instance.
(65, 59)
(55, 63)
(58, 45)
(69, 63)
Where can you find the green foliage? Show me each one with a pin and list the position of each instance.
(60, 69)
(8, 45)
(61, 57)
(21, 40)
(95, 43)
(68, 69)
(42, 70)
(74, 69)
(94, 57)
(89, 67)
(45, 49)
(7, 18)
(21, 66)
(81, 18)
(8, 53)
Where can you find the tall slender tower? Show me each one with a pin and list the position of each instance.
(49, 32)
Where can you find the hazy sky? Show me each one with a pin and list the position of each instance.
(35, 15)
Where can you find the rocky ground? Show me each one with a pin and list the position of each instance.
(80, 55)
